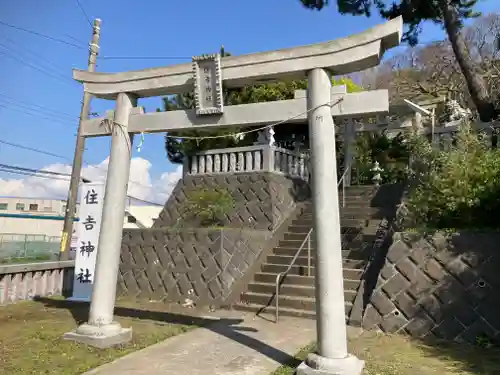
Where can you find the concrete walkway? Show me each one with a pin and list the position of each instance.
(236, 345)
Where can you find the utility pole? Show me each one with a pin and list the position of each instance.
(79, 149)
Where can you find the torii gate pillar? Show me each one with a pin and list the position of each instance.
(332, 357)
(102, 330)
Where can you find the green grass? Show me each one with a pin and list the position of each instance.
(400, 355)
(31, 336)
(29, 259)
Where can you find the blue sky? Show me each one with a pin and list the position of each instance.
(131, 28)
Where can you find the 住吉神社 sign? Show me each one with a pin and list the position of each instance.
(208, 85)
(88, 228)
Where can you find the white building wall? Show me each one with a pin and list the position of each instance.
(13, 205)
(136, 216)
(145, 215)
(14, 225)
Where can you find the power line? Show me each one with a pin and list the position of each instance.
(55, 111)
(64, 79)
(36, 171)
(41, 35)
(40, 108)
(37, 115)
(32, 174)
(33, 150)
(13, 169)
(145, 57)
(75, 39)
(84, 13)
(49, 65)
(15, 145)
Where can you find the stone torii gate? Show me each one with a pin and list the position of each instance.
(207, 74)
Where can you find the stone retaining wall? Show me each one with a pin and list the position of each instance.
(438, 286)
(262, 199)
(20, 282)
(203, 265)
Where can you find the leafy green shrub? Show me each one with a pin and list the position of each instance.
(207, 207)
(391, 153)
(457, 188)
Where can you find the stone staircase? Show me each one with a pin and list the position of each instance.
(359, 224)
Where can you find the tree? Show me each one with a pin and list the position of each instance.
(178, 148)
(431, 71)
(450, 14)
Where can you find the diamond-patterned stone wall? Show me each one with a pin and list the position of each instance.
(203, 265)
(262, 200)
(438, 286)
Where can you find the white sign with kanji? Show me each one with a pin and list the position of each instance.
(87, 230)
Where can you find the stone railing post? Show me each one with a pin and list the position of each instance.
(256, 158)
(186, 167)
(267, 158)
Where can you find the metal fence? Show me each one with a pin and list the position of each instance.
(31, 247)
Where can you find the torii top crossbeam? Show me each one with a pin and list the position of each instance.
(341, 56)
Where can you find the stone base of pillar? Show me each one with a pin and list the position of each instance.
(102, 336)
(317, 365)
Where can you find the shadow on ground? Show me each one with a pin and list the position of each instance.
(227, 327)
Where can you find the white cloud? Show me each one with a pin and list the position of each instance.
(141, 184)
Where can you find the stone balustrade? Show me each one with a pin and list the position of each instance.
(20, 282)
(258, 158)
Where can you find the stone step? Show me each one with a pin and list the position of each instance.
(299, 229)
(294, 244)
(303, 227)
(348, 242)
(361, 210)
(307, 219)
(296, 241)
(349, 273)
(345, 224)
(295, 236)
(270, 278)
(361, 188)
(349, 198)
(302, 261)
(285, 302)
(362, 213)
(299, 303)
(357, 209)
(355, 254)
(363, 244)
(263, 277)
(283, 311)
(293, 291)
(285, 290)
(354, 240)
(365, 219)
(299, 238)
(351, 284)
